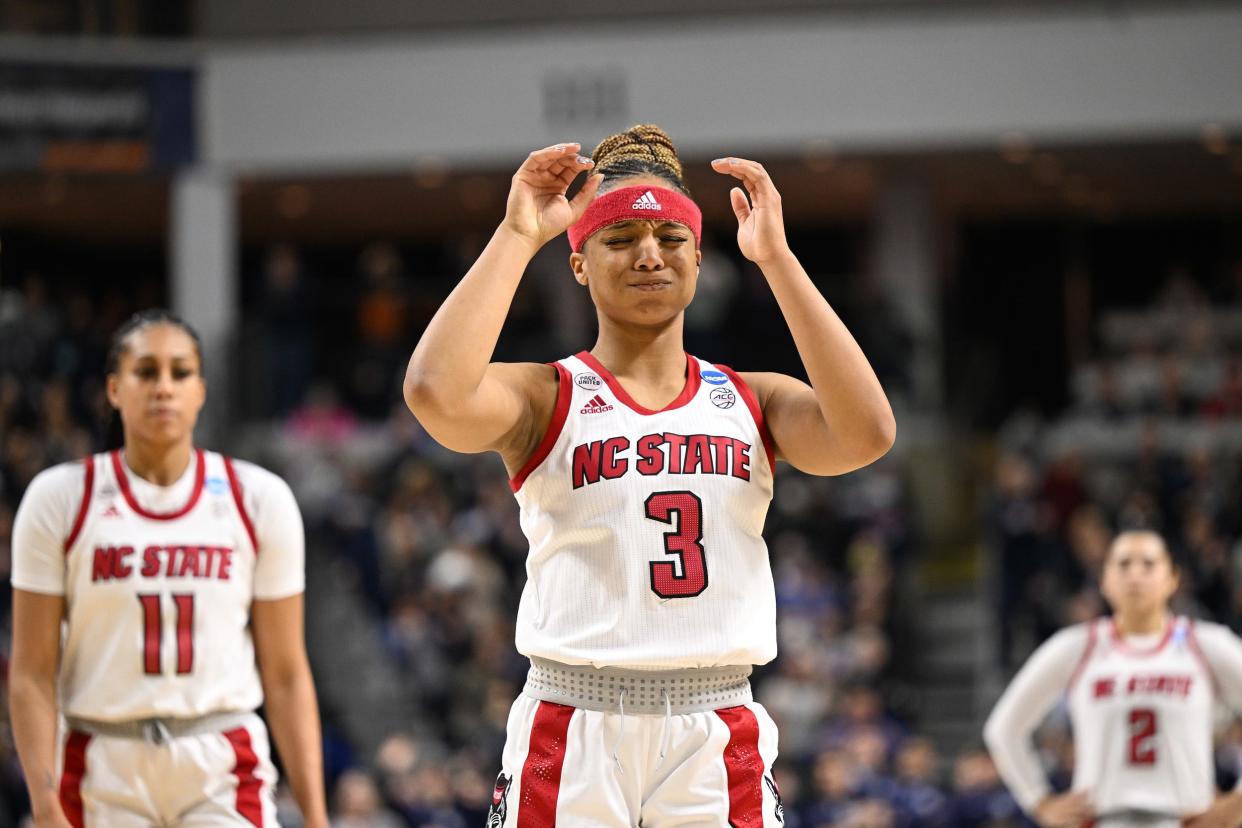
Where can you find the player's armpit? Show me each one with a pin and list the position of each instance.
(802, 436)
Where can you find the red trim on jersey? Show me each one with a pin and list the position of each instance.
(743, 767)
(693, 380)
(122, 479)
(564, 394)
(756, 411)
(235, 485)
(1197, 650)
(1086, 654)
(71, 777)
(1120, 641)
(87, 488)
(541, 773)
(249, 786)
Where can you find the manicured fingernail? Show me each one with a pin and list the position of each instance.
(559, 147)
(584, 160)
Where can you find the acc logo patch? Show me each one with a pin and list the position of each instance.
(723, 397)
(714, 377)
(217, 485)
(500, 805)
(588, 382)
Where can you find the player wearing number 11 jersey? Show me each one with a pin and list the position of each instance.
(177, 576)
(643, 476)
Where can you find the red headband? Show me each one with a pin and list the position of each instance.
(642, 203)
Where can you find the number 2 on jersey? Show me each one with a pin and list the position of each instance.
(1142, 736)
(685, 541)
(153, 633)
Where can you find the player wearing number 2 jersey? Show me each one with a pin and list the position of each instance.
(178, 575)
(1140, 686)
(643, 475)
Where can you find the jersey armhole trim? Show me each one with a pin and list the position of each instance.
(1197, 650)
(564, 393)
(1085, 657)
(87, 488)
(235, 487)
(756, 411)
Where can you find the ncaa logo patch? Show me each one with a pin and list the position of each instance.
(723, 397)
(588, 382)
(217, 485)
(714, 377)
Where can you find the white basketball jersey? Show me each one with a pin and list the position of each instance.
(158, 605)
(645, 527)
(1143, 723)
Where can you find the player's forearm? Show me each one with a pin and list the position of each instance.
(453, 353)
(1009, 743)
(850, 396)
(32, 707)
(293, 713)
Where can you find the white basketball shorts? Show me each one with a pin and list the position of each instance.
(202, 781)
(559, 769)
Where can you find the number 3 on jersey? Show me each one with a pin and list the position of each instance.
(685, 541)
(153, 633)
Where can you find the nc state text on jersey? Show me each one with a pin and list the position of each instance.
(660, 454)
(1105, 688)
(201, 562)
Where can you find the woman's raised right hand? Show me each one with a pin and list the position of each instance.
(537, 208)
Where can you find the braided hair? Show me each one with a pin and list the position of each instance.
(643, 149)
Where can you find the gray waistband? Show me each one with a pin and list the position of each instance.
(157, 731)
(1128, 818)
(645, 692)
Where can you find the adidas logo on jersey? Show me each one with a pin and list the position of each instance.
(646, 201)
(596, 405)
(111, 511)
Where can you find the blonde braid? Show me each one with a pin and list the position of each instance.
(641, 149)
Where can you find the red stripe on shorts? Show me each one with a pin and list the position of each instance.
(743, 767)
(541, 774)
(248, 785)
(71, 777)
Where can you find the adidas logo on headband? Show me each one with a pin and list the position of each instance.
(646, 201)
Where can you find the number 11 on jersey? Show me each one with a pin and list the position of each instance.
(153, 633)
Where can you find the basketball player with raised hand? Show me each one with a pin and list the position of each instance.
(1140, 687)
(643, 475)
(177, 576)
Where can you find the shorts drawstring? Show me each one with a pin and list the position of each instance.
(620, 732)
(664, 731)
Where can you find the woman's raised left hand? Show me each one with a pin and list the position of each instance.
(760, 221)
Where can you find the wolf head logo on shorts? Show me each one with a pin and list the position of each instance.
(500, 806)
(779, 811)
